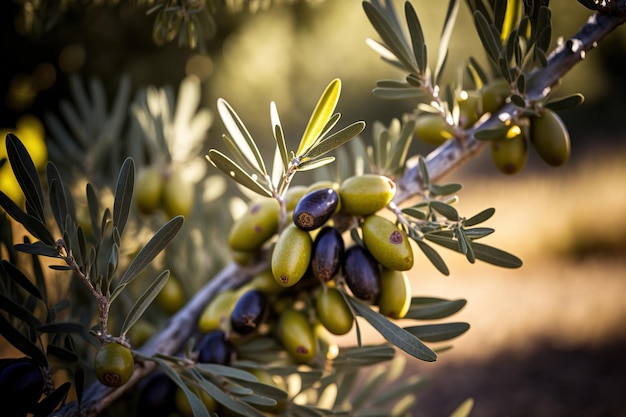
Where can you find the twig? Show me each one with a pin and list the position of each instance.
(441, 161)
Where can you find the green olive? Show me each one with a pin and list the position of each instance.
(394, 299)
(432, 128)
(217, 311)
(291, 255)
(470, 108)
(178, 195)
(114, 364)
(333, 311)
(366, 194)
(171, 298)
(141, 332)
(494, 94)
(388, 244)
(293, 195)
(149, 190)
(510, 153)
(265, 282)
(550, 137)
(297, 336)
(256, 226)
(182, 403)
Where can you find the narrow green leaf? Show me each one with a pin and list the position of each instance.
(239, 133)
(491, 134)
(424, 172)
(393, 333)
(445, 210)
(279, 136)
(196, 404)
(310, 164)
(393, 93)
(445, 189)
(234, 171)
(21, 342)
(62, 328)
(446, 34)
(94, 210)
(335, 140)
(490, 43)
(320, 116)
(57, 194)
(479, 218)
(433, 256)
(20, 279)
(159, 241)
(478, 232)
(417, 37)
(18, 311)
(47, 405)
(477, 72)
(227, 401)
(495, 256)
(401, 147)
(565, 103)
(144, 301)
(37, 248)
(26, 175)
(226, 371)
(123, 194)
(433, 308)
(438, 332)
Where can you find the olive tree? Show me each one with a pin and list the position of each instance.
(303, 262)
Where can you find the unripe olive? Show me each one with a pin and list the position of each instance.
(178, 195)
(388, 244)
(141, 332)
(149, 190)
(366, 194)
(494, 94)
(182, 403)
(217, 311)
(21, 386)
(293, 195)
(432, 128)
(265, 282)
(550, 137)
(315, 208)
(395, 294)
(361, 272)
(259, 223)
(333, 312)
(510, 153)
(156, 396)
(291, 255)
(470, 108)
(171, 298)
(296, 335)
(215, 348)
(328, 251)
(114, 364)
(248, 312)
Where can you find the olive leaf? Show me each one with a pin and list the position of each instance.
(446, 34)
(26, 175)
(144, 301)
(21, 342)
(393, 333)
(279, 136)
(431, 308)
(196, 404)
(438, 332)
(234, 171)
(123, 195)
(320, 116)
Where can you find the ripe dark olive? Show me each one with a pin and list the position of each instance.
(114, 364)
(328, 251)
(361, 272)
(21, 386)
(315, 208)
(215, 348)
(248, 312)
(156, 396)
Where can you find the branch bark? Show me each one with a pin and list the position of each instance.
(440, 162)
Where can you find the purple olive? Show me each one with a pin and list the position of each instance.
(362, 273)
(248, 312)
(328, 252)
(21, 386)
(215, 348)
(315, 208)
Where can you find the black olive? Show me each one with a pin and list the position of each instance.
(156, 396)
(315, 208)
(362, 273)
(248, 312)
(21, 386)
(328, 251)
(215, 348)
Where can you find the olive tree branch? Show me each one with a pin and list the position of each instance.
(449, 156)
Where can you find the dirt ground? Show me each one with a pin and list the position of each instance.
(547, 339)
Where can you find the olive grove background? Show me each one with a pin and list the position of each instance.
(546, 339)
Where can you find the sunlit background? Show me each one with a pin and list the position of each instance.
(546, 339)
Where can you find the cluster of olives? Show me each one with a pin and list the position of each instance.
(546, 131)
(165, 189)
(311, 261)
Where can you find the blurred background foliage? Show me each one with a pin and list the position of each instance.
(565, 304)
